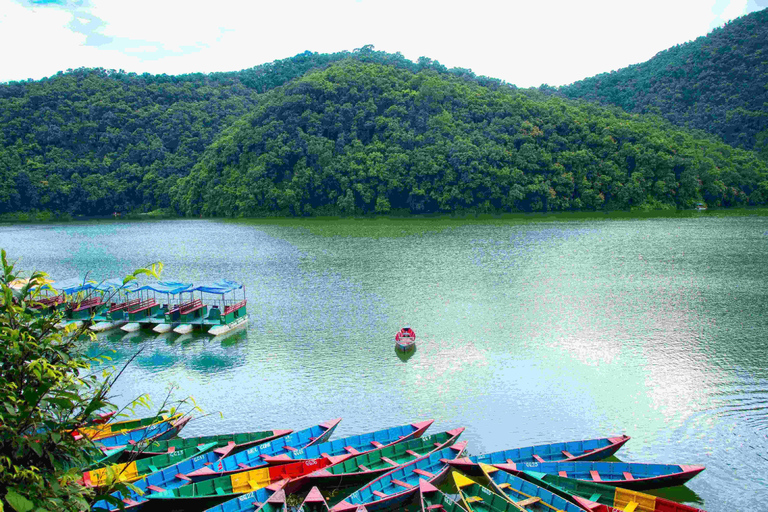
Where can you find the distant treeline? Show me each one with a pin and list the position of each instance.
(369, 138)
(717, 83)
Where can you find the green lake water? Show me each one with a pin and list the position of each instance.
(528, 331)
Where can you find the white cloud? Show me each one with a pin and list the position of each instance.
(526, 43)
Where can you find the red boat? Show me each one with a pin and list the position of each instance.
(405, 339)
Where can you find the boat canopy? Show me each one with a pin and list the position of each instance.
(72, 286)
(171, 287)
(114, 284)
(220, 287)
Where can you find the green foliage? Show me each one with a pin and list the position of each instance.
(46, 393)
(716, 83)
(361, 138)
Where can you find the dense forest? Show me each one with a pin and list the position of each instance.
(717, 83)
(365, 138)
(368, 131)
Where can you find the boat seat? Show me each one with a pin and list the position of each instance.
(437, 444)
(402, 484)
(351, 450)
(628, 476)
(595, 497)
(537, 458)
(291, 448)
(595, 476)
(390, 461)
(153, 468)
(423, 473)
(377, 444)
(243, 466)
(631, 506)
(563, 473)
(379, 494)
(411, 452)
(504, 485)
(130, 502)
(360, 466)
(528, 502)
(472, 499)
(155, 488)
(220, 491)
(510, 461)
(182, 476)
(435, 507)
(568, 455)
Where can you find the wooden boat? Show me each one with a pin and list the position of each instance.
(162, 480)
(393, 489)
(524, 494)
(353, 445)
(364, 468)
(253, 457)
(635, 476)
(314, 502)
(134, 470)
(434, 500)
(254, 502)
(589, 449)
(476, 498)
(240, 441)
(207, 493)
(215, 317)
(405, 339)
(109, 429)
(605, 498)
(157, 431)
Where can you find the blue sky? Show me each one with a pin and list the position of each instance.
(523, 42)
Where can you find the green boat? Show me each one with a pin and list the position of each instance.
(238, 442)
(579, 491)
(434, 500)
(524, 494)
(138, 469)
(476, 498)
(363, 468)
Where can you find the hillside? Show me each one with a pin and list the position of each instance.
(362, 138)
(95, 141)
(717, 83)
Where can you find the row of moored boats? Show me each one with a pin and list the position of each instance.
(387, 469)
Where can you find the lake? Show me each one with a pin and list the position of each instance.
(529, 330)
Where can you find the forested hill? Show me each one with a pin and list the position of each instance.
(95, 141)
(717, 83)
(362, 138)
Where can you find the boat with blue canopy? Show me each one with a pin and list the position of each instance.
(215, 316)
(147, 311)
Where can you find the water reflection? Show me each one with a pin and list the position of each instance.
(404, 356)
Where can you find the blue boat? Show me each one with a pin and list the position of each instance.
(524, 493)
(253, 458)
(635, 476)
(589, 449)
(353, 445)
(156, 432)
(392, 489)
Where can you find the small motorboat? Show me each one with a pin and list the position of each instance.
(405, 340)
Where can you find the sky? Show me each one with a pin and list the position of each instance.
(526, 43)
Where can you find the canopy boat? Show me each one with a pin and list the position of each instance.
(353, 445)
(635, 476)
(476, 498)
(224, 315)
(604, 498)
(113, 313)
(396, 487)
(405, 339)
(314, 502)
(210, 492)
(157, 431)
(589, 449)
(524, 494)
(253, 458)
(134, 470)
(363, 468)
(148, 312)
(434, 500)
(160, 481)
(254, 502)
(238, 442)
